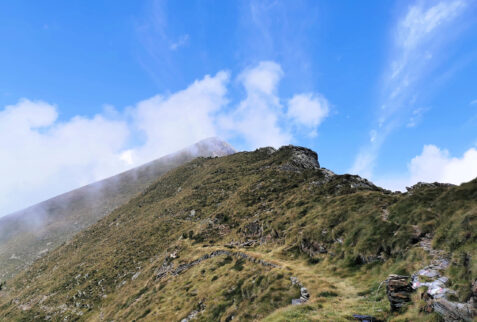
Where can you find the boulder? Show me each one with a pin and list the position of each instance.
(398, 290)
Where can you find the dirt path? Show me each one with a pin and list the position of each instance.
(332, 298)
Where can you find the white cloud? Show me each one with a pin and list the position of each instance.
(420, 35)
(435, 165)
(43, 156)
(257, 118)
(364, 162)
(261, 120)
(474, 102)
(420, 22)
(308, 109)
(262, 79)
(180, 119)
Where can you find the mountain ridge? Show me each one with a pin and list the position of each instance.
(246, 235)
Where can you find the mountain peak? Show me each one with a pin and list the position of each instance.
(301, 157)
(215, 146)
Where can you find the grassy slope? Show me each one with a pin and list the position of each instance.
(30, 233)
(367, 232)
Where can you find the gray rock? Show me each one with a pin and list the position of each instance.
(398, 290)
(453, 311)
(300, 158)
(304, 295)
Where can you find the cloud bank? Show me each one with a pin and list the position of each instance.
(43, 156)
(435, 165)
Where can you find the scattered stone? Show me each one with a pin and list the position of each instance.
(297, 301)
(436, 288)
(167, 267)
(294, 280)
(173, 255)
(304, 295)
(398, 290)
(135, 276)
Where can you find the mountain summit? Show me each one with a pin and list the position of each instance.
(28, 234)
(263, 235)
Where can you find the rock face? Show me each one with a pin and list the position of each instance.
(300, 158)
(398, 290)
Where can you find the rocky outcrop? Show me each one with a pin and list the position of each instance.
(326, 176)
(398, 290)
(424, 185)
(300, 158)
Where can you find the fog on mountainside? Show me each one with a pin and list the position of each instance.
(30, 233)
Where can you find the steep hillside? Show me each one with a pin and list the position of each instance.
(243, 237)
(28, 234)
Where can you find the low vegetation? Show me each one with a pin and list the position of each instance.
(339, 235)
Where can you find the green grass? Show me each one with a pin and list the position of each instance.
(246, 196)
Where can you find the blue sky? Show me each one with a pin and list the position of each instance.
(385, 89)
